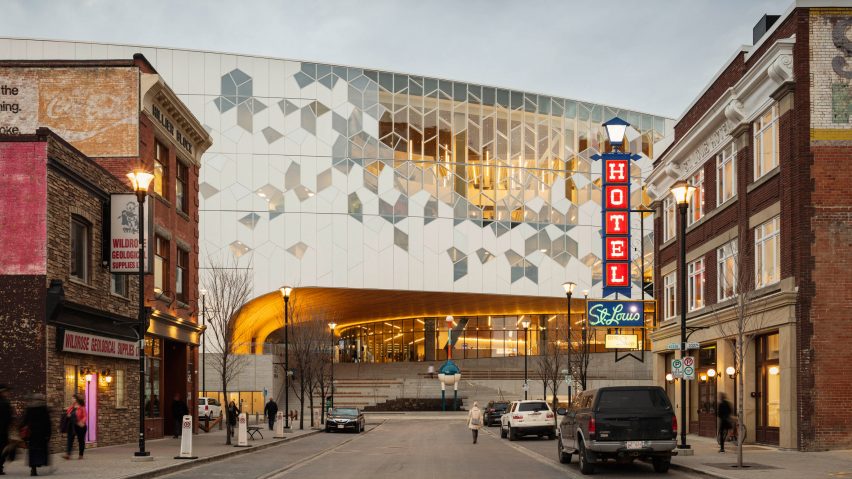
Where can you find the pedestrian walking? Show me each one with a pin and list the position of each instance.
(5, 424)
(271, 409)
(35, 430)
(75, 420)
(179, 410)
(233, 412)
(724, 414)
(474, 420)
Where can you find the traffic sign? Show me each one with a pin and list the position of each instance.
(676, 346)
(677, 364)
(677, 373)
(673, 346)
(692, 345)
(689, 361)
(689, 373)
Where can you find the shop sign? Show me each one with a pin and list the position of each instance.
(83, 343)
(622, 341)
(616, 314)
(124, 233)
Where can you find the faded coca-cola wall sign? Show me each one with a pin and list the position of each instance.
(95, 109)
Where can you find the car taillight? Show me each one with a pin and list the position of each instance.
(517, 416)
(549, 415)
(674, 425)
(592, 427)
(206, 407)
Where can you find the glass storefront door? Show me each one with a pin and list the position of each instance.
(768, 389)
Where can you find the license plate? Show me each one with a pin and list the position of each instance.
(340, 426)
(635, 444)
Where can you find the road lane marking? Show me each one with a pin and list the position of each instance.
(303, 462)
(538, 457)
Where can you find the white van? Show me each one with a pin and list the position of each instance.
(209, 408)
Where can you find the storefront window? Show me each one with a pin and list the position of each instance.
(768, 388)
(120, 391)
(71, 383)
(153, 357)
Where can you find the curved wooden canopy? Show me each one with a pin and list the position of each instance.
(264, 315)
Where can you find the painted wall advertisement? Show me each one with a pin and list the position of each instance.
(124, 233)
(95, 109)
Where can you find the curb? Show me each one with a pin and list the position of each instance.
(695, 470)
(181, 466)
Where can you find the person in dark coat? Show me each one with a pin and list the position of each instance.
(233, 412)
(179, 410)
(36, 432)
(271, 409)
(5, 424)
(724, 414)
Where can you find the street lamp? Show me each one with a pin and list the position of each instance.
(615, 130)
(203, 293)
(585, 335)
(331, 326)
(285, 292)
(140, 180)
(569, 286)
(682, 192)
(526, 325)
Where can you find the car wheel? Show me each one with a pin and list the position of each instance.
(583, 459)
(328, 429)
(564, 457)
(513, 434)
(661, 464)
(502, 432)
(551, 436)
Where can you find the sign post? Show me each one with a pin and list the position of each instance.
(186, 439)
(242, 431)
(279, 425)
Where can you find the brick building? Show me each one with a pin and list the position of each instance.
(122, 115)
(53, 199)
(767, 146)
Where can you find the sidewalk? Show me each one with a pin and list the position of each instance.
(115, 462)
(766, 462)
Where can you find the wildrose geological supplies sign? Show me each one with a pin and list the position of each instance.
(124, 233)
(74, 342)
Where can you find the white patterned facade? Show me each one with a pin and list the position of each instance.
(346, 177)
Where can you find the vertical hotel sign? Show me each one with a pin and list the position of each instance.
(124, 233)
(615, 221)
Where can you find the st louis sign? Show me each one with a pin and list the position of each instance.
(616, 314)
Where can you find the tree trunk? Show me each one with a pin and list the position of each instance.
(741, 389)
(311, 408)
(301, 405)
(225, 402)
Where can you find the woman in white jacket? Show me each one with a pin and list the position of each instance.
(474, 420)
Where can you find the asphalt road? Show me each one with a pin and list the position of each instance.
(409, 449)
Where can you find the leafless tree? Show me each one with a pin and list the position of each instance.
(579, 352)
(549, 368)
(739, 322)
(309, 341)
(228, 288)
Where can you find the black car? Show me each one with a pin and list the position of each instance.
(622, 423)
(494, 410)
(343, 418)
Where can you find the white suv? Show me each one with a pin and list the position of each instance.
(526, 418)
(209, 408)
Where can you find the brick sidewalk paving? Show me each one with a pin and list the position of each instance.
(765, 462)
(116, 462)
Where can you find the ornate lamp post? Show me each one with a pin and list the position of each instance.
(285, 293)
(331, 326)
(449, 374)
(569, 286)
(682, 192)
(140, 180)
(203, 293)
(526, 325)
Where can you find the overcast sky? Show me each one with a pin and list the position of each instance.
(650, 55)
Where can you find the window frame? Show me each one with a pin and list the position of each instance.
(162, 246)
(761, 238)
(760, 128)
(696, 271)
(182, 275)
(160, 185)
(727, 156)
(182, 183)
(728, 251)
(696, 202)
(669, 219)
(115, 279)
(74, 251)
(670, 296)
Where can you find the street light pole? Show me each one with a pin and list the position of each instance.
(526, 325)
(682, 192)
(285, 292)
(203, 340)
(140, 180)
(331, 326)
(569, 286)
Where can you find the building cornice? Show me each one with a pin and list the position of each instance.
(726, 118)
(155, 92)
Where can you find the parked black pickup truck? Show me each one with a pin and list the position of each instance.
(622, 423)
